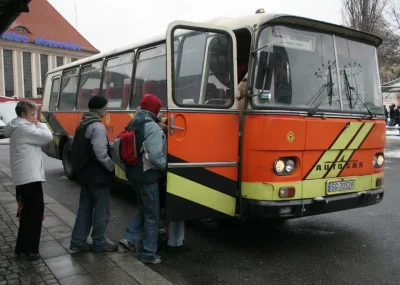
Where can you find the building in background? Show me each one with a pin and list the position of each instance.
(35, 43)
(391, 92)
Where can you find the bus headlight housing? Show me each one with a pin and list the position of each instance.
(284, 166)
(378, 160)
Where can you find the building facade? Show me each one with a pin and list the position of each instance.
(35, 43)
(391, 93)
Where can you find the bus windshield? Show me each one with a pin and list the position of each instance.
(307, 70)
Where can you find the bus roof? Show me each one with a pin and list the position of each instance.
(249, 22)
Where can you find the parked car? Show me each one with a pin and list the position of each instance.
(2, 124)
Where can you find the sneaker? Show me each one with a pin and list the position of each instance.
(84, 247)
(162, 232)
(127, 245)
(107, 248)
(156, 260)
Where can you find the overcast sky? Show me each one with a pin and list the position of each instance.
(108, 24)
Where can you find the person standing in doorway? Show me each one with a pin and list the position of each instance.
(91, 158)
(27, 135)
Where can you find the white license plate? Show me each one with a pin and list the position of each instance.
(335, 186)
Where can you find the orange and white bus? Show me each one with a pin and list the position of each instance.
(312, 135)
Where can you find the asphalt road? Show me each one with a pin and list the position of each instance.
(351, 247)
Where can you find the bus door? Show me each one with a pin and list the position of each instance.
(203, 126)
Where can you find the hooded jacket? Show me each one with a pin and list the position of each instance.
(91, 152)
(152, 137)
(26, 140)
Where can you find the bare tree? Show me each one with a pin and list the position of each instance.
(363, 15)
(394, 15)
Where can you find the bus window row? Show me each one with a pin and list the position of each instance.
(113, 80)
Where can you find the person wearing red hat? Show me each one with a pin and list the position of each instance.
(150, 140)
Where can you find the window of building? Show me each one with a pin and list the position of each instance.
(89, 83)
(21, 29)
(8, 72)
(44, 67)
(27, 66)
(55, 89)
(117, 80)
(73, 59)
(60, 61)
(150, 75)
(69, 87)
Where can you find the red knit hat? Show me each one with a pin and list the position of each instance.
(151, 102)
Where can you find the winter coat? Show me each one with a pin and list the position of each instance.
(91, 152)
(26, 140)
(152, 137)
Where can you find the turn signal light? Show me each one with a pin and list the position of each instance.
(379, 181)
(287, 192)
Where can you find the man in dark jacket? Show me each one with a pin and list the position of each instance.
(91, 157)
(391, 115)
(151, 139)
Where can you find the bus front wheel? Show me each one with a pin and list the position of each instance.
(67, 163)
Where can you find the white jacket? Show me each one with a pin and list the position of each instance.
(26, 140)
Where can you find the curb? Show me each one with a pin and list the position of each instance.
(138, 271)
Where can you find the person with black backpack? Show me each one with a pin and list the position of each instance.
(91, 159)
(144, 175)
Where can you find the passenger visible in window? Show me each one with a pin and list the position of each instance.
(242, 89)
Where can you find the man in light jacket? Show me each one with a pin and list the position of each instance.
(145, 224)
(27, 135)
(91, 158)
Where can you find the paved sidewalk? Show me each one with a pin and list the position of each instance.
(59, 265)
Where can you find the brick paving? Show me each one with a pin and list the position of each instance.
(12, 270)
(58, 264)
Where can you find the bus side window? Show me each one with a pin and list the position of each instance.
(69, 87)
(117, 80)
(204, 73)
(150, 75)
(89, 82)
(55, 89)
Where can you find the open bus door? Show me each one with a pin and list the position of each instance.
(203, 128)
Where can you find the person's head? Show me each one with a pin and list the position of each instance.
(151, 103)
(98, 104)
(26, 109)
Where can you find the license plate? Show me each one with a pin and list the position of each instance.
(336, 186)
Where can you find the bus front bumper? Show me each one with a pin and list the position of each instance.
(309, 207)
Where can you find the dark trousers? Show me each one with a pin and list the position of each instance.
(94, 210)
(30, 226)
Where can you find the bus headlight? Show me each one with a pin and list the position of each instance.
(279, 166)
(379, 159)
(285, 166)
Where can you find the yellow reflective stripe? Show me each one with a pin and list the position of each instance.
(200, 194)
(317, 188)
(341, 163)
(269, 191)
(305, 189)
(346, 136)
(356, 143)
(56, 139)
(119, 172)
(331, 154)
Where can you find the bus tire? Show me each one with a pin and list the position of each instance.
(67, 163)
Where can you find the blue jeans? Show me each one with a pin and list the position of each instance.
(144, 225)
(94, 209)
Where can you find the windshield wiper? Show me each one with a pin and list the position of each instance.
(350, 88)
(318, 98)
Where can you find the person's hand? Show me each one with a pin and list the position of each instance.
(162, 124)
